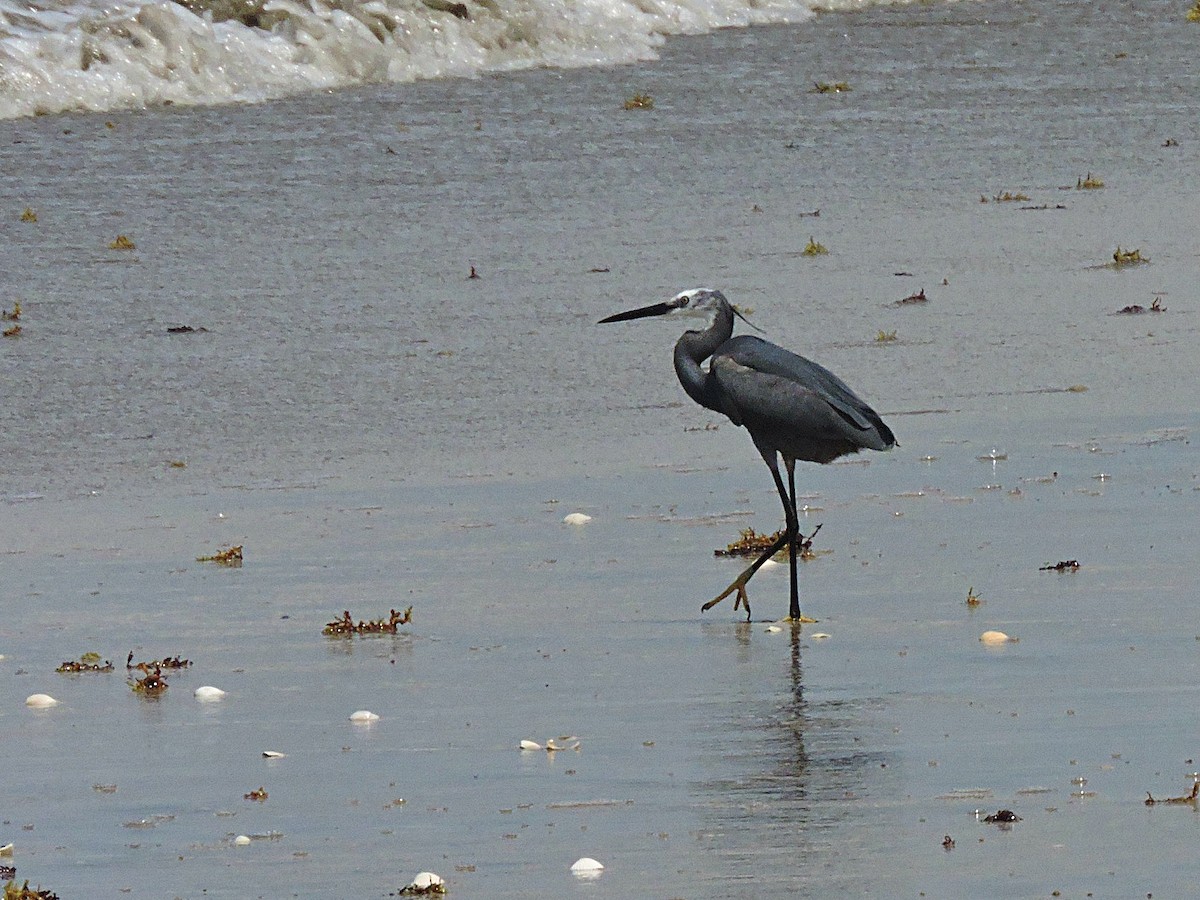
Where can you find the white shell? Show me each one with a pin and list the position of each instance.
(996, 637)
(241, 840)
(773, 629)
(207, 693)
(426, 881)
(819, 636)
(273, 754)
(586, 864)
(363, 715)
(531, 745)
(40, 701)
(577, 519)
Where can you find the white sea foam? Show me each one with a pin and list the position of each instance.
(60, 55)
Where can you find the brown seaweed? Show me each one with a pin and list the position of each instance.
(346, 624)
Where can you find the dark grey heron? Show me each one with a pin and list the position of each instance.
(792, 407)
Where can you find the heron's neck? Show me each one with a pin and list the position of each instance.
(695, 347)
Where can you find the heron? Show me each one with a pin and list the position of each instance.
(793, 408)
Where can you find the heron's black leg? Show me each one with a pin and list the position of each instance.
(787, 539)
(793, 527)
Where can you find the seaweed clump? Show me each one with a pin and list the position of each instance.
(231, 557)
(346, 624)
(751, 543)
(25, 892)
(1135, 309)
(153, 685)
(1010, 197)
(1002, 817)
(88, 662)
(167, 662)
(1066, 565)
(1128, 257)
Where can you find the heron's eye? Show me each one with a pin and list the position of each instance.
(684, 301)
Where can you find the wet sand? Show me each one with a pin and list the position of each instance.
(379, 431)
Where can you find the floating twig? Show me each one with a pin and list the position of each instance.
(918, 297)
(1193, 797)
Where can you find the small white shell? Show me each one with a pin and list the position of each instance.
(207, 693)
(773, 629)
(241, 840)
(577, 519)
(996, 637)
(531, 745)
(425, 883)
(273, 754)
(363, 715)
(40, 701)
(586, 866)
(819, 636)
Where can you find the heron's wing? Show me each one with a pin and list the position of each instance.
(761, 381)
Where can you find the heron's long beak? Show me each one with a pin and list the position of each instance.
(656, 309)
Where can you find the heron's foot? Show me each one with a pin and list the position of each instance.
(799, 620)
(742, 598)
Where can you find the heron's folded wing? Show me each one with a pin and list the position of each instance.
(798, 384)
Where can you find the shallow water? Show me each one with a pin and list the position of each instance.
(379, 431)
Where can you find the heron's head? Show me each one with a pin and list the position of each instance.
(705, 303)
(697, 302)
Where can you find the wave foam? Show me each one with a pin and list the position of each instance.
(84, 55)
